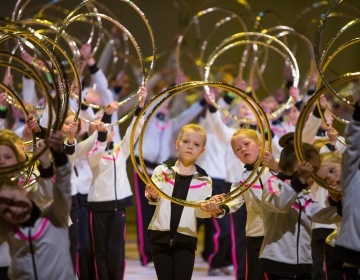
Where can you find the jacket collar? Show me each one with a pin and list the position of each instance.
(250, 167)
(110, 146)
(278, 121)
(171, 162)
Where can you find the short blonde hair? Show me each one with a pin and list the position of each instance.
(244, 131)
(330, 159)
(192, 127)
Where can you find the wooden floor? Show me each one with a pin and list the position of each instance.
(135, 271)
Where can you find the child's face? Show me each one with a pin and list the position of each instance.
(245, 112)
(7, 156)
(246, 149)
(190, 146)
(331, 174)
(15, 206)
(293, 115)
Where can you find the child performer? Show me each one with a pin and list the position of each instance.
(172, 231)
(349, 238)
(288, 210)
(109, 195)
(38, 241)
(247, 146)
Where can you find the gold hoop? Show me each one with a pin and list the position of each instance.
(172, 91)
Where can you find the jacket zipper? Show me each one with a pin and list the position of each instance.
(32, 254)
(298, 238)
(115, 182)
(171, 243)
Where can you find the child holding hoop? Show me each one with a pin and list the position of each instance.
(288, 209)
(246, 146)
(172, 230)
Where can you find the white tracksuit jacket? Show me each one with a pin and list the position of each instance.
(252, 198)
(200, 189)
(110, 188)
(287, 213)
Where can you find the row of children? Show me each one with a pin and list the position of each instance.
(104, 215)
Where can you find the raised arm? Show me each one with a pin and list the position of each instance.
(126, 141)
(313, 123)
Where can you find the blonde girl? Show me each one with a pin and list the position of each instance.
(247, 147)
(172, 230)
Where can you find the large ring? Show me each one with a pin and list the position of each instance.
(172, 91)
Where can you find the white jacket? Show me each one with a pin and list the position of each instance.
(252, 198)
(81, 149)
(214, 158)
(200, 189)
(286, 249)
(110, 188)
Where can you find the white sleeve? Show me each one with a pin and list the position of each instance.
(102, 87)
(187, 116)
(28, 91)
(221, 130)
(278, 196)
(310, 129)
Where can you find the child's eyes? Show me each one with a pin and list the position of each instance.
(332, 170)
(197, 145)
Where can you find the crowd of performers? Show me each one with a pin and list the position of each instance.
(72, 222)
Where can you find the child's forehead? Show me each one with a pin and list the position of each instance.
(242, 136)
(192, 133)
(5, 149)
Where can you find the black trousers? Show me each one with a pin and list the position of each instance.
(86, 269)
(173, 263)
(220, 233)
(318, 246)
(238, 238)
(145, 212)
(73, 230)
(253, 245)
(108, 237)
(3, 273)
